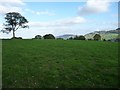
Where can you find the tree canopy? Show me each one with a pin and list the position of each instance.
(38, 37)
(97, 37)
(14, 21)
(81, 37)
(48, 36)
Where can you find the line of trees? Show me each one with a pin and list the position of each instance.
(96, 37)
(15, 21)
(47, 36)
(81, 37)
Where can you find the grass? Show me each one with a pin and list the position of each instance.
(59, 63)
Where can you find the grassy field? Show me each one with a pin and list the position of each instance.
(59, 63)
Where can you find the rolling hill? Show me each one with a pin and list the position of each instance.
(111, 34)
(65, 36)
(108, 35)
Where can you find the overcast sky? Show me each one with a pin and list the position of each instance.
(60, 18)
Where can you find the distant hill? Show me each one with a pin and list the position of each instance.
(65, 36)
(111, 34)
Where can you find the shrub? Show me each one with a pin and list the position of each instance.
(16, 38)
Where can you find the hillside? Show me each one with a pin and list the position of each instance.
(65, 36)
(111, 34)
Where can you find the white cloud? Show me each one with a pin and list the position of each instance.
(5, 9)
(64, 22)
(73, 21)
(45, 13)
(40, 12)
(12, 2)
(10, 6)
(1, 26)
(94, 6)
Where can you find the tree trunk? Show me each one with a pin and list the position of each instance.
(13, 33)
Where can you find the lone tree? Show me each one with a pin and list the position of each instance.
(48, 36)
(97, 37)
(14, 21)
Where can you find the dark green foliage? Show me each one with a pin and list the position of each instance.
(59, 38)
(117, 40)
(104, 39)
(89, 39)
(38, 37)
(81, 37)
(71, 38)
(59, 64)
(109, 40)
(97, 37)
(14, 21)
(48, 36)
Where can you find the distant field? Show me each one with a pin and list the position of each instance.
(59, 64)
